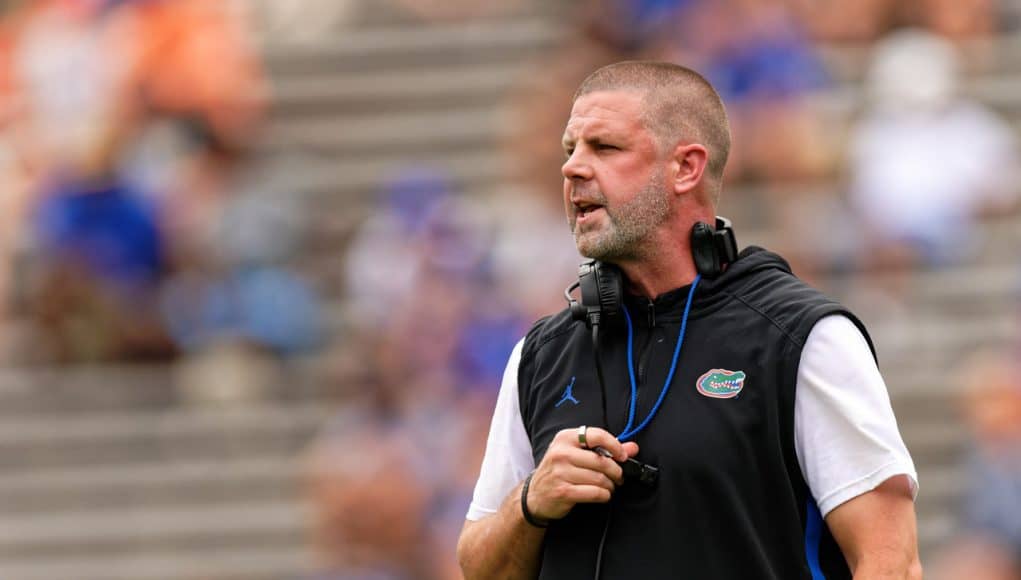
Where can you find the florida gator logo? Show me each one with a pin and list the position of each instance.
(721, 383)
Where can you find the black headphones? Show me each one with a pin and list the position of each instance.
(602, 285)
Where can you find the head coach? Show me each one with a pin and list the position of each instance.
(699, 412)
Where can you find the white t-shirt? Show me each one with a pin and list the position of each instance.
(845, 434)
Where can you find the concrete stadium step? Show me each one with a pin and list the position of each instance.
(26, 391)
(988, 289)
(935, 443)
(940, 488)
(940, 493)
(843, 102)
(998, 91)
(175, 435)
(1001, 240)
(358, 182)
(92, 532)
(955, 337)
(408, 133)
(381, 48)
(934, 372)
(398, 13)
(152, 484)
(948, 286)
(919, 382)
(73, 390)
(934, 530)
(986, 304)
(921, 410)
(997, 55)
(439, 87)
(253, 562)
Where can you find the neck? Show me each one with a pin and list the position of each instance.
(666, 268)
(650, 279)
(668, 264)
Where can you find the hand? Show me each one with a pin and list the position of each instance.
(570, 474)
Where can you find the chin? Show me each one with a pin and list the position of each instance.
(586, 248)
(596, 245)
(593, 252)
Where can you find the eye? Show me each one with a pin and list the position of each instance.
(569, 152)
(607, 147)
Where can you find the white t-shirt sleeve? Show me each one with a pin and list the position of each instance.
(508, 459)
(845, 433)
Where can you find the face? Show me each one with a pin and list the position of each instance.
(614, 190)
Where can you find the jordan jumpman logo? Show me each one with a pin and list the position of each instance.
(567, 395)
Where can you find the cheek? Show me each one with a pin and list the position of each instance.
(628, 175)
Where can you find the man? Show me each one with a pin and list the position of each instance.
(771, 416)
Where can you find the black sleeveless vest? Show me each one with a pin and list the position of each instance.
(731, 502)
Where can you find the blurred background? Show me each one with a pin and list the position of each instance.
(262, 262)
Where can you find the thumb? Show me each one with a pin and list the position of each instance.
(630, 449)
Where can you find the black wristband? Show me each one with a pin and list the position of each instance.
(524, 505)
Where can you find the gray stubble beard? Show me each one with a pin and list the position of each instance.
(627, 237)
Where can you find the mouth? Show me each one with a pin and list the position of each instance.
(584, 210)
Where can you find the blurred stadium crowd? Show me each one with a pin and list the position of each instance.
(144, 221)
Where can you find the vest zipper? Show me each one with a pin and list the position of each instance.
(643, 355)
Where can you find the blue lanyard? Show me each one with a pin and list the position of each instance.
(628, 431)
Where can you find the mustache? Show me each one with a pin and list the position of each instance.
(594, 196)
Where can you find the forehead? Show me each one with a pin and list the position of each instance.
(606, 110)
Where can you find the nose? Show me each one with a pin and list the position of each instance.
(576, 167)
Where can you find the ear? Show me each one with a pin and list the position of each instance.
(689, 161)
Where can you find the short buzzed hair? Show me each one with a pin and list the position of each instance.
(678, 103)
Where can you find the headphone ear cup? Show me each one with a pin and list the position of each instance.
(724, 242)
(611, 289)
(703, 250)
(588, 285)
(602, 290)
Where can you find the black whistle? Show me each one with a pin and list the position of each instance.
(643, 473)
(635, 471)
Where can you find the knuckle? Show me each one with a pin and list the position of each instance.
(556, 471)
(563, 456)
(570, 495)
(562, 491)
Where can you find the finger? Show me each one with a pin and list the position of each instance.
(588, 494)
(592, 461)
(630, 448)
(602, 438)
(580, 476)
